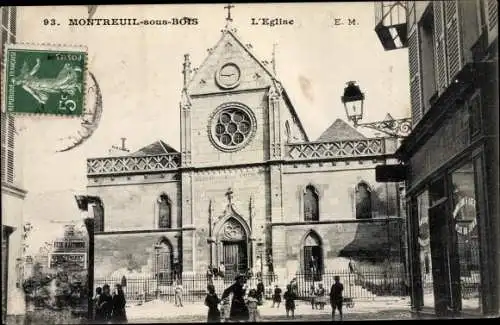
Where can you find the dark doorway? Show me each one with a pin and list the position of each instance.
(313, 257)
(235, 257)
(439, 235)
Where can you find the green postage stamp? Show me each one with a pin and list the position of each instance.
(45, 79)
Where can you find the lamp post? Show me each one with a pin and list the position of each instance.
(83, 204)
(353, 100)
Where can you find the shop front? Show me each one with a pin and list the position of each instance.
(452, 211)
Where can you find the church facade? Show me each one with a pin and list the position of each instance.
(247, 188)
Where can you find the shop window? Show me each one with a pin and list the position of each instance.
(465, 228)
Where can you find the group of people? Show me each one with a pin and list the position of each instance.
(220, 272)
(241, 308)
(318, 296)
(110, 307)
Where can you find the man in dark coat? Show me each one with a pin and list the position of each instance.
(239, 309)
(336, 297)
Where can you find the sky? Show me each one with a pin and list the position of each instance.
(138, 69)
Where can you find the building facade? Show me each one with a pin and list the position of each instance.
(452, 153)
(247, 188)
(12, 193)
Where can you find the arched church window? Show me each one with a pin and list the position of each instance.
(164, 212)
(163, 260)
(98, 210)
(363, 201)
(311, 204)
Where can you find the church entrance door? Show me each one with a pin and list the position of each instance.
(235, 257)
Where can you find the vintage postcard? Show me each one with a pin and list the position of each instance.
(249, 162)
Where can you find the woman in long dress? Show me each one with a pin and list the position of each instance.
(118, 315)
(239, 309)
(212, 301)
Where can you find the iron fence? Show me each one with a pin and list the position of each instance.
(359, 284)
(141, 289)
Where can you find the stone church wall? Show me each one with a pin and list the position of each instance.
(128, 253)
(336, 190)
(246, 183)
(257, 150)
(133, 206)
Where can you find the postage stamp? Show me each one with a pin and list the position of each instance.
(45, 79)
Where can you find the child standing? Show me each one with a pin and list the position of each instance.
(226, 309)
(252, 303)
(289, 297)
(277, 296)
(312, 292)
(178, 294)
(211, 301)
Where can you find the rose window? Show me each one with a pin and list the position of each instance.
(232, 127)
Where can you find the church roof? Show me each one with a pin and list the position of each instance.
(156, 148)
(340, 130)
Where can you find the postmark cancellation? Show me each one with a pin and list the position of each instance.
(45, 79)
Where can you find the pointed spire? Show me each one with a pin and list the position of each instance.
(186, 69)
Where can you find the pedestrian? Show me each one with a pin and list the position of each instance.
(105, 304)
(222, 270)
(336, 297)
(321, 299)
(252, 303)
(295, 288)
(289, 297)
(351, 266)
(118, 316)
(277, 296)
(178, 294)
(239, 309)
(212, 301)
(312, 292)
(98, 292)
(260, 291)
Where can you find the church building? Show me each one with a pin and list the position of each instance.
(247, 188)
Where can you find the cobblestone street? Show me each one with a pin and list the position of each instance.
(160, 312)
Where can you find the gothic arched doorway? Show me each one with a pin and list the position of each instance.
(313, 256)
(163, 262)
(233, 247)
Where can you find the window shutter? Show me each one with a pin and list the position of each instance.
(454, 53)
(10, 149)
(439, 47)
(492, 19)
(8, 133)
(13, 16)
(415, 68)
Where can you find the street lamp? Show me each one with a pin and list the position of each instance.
(88, 218)
(353, 100)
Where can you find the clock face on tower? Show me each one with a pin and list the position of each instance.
(228, 76)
